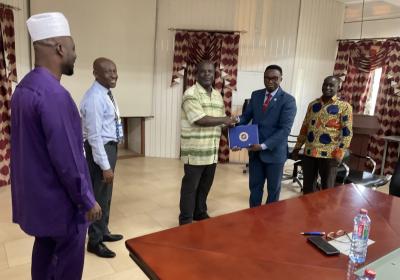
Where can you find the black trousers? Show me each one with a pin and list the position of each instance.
(394, 187)
(325, 167)
(196, 184)
(102, 191)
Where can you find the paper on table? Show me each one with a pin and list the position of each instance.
(343, 243)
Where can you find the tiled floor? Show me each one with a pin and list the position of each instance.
(145, 200)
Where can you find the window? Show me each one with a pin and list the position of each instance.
(373, 95)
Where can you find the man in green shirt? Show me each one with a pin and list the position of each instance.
(203, 115)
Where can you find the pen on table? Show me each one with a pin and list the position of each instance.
(318, 233)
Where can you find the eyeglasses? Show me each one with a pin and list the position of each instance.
(272, 79)
(336, 236)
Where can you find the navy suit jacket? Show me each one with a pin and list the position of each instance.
(274, 125)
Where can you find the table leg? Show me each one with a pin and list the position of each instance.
(384, 157)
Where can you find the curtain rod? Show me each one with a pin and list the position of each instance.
(372, 19)
(9, 6)
(204, 30)
(377, 38)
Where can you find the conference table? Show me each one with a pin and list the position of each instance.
(265, 242)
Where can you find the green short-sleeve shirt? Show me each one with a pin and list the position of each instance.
(199, 144)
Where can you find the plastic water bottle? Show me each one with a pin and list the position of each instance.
(351, 269)
(369, 274)
(359, 240)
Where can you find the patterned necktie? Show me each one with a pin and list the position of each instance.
(116, 116)
(266, 102)
(111, 97)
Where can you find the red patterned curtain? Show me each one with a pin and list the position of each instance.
(8, 74)
(387, 105)
(222, 49)
(355, 62)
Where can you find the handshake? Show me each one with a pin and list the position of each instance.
(231, 121)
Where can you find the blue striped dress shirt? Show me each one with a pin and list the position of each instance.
(98, 122)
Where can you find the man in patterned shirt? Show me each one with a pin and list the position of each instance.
(203, 114)
(326, 133)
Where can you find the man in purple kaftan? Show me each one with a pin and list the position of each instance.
(52, 196)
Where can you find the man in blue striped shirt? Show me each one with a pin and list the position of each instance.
(102, 130)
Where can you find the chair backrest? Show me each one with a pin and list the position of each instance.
(245, 103)
(292, 139)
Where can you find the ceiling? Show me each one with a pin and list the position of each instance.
(373, 9)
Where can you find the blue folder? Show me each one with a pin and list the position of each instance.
(243, 136)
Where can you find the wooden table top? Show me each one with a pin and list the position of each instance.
(264, 242)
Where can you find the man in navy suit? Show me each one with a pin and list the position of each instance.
(273, 110)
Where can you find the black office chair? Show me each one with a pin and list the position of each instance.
(394, 187)
(367, 179)
(297, 173)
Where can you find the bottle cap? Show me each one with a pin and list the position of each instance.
(363, 211)
(369, 272)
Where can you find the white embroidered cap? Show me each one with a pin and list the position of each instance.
(47, 25)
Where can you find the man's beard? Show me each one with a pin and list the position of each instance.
(68, 70)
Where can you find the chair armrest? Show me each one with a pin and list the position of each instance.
(373, 162)
(347, 168)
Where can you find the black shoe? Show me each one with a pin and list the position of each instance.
(201, 217)
(100, 250)
(112, 237)
(181, 223)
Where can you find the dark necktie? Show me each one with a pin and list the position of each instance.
(111, 97)
(266, 102)
(115, 111)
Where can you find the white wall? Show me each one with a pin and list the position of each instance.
(300, 35)
(123, 31)
(320, 26)
(301, 39)
(372, 29)
(374, 19)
